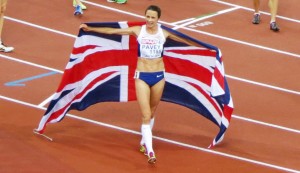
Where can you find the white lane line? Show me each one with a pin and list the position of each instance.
(163, 139)
(245, 43)
(251, 9)
(282, 169)
(183, 21)
(263, 85)
(207, 33)
(40, 27)
(193, 30)
(46, 101)
(113, 9)
(228, 76)
(266, 124)
(204, 17)
(30, 63)
(43, 103)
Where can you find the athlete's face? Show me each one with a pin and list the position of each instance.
(151, 18)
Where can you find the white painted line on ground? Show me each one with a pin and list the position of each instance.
(163, 139)
(183, 21)
(263, 85)
(228, 76)
(245, 43)
(70, 35)
(113, 9)
(43, 103)
(193, 30)
(46, 101)
(266, 124)
(204, 17)
(40, 27)
(29, 63)
(134, 132)
(207, 33)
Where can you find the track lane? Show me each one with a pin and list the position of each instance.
(80, 124)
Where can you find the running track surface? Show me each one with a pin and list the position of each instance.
(262, 68)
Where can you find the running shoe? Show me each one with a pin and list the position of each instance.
(143, 149)
(256, 19)
(83, 7)
(118, 1)
(4, 48)
(121, 1)
(274, 26)
(151, 158)
(78, 11)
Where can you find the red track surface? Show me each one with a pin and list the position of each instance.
(250, 52)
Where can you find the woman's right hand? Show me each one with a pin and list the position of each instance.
(84, 27)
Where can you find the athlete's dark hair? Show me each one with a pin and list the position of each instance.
(154, 8)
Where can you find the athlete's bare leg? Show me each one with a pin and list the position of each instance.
(256, 4)
(273, 5)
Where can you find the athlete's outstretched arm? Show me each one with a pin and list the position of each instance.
(105, 30)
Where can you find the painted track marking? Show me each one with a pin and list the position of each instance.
(20, 82)
(162, 139)
(204, 17)
(73, 36)
(43, 103)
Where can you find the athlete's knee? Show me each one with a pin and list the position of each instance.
(2, 8)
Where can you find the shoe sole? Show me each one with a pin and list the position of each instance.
(275, 30)
(256, 19)
(118, 2)
(152, 160)
(255, 22)
(6, 51)
(77, 14)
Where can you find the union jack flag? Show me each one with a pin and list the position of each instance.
(101, 69)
